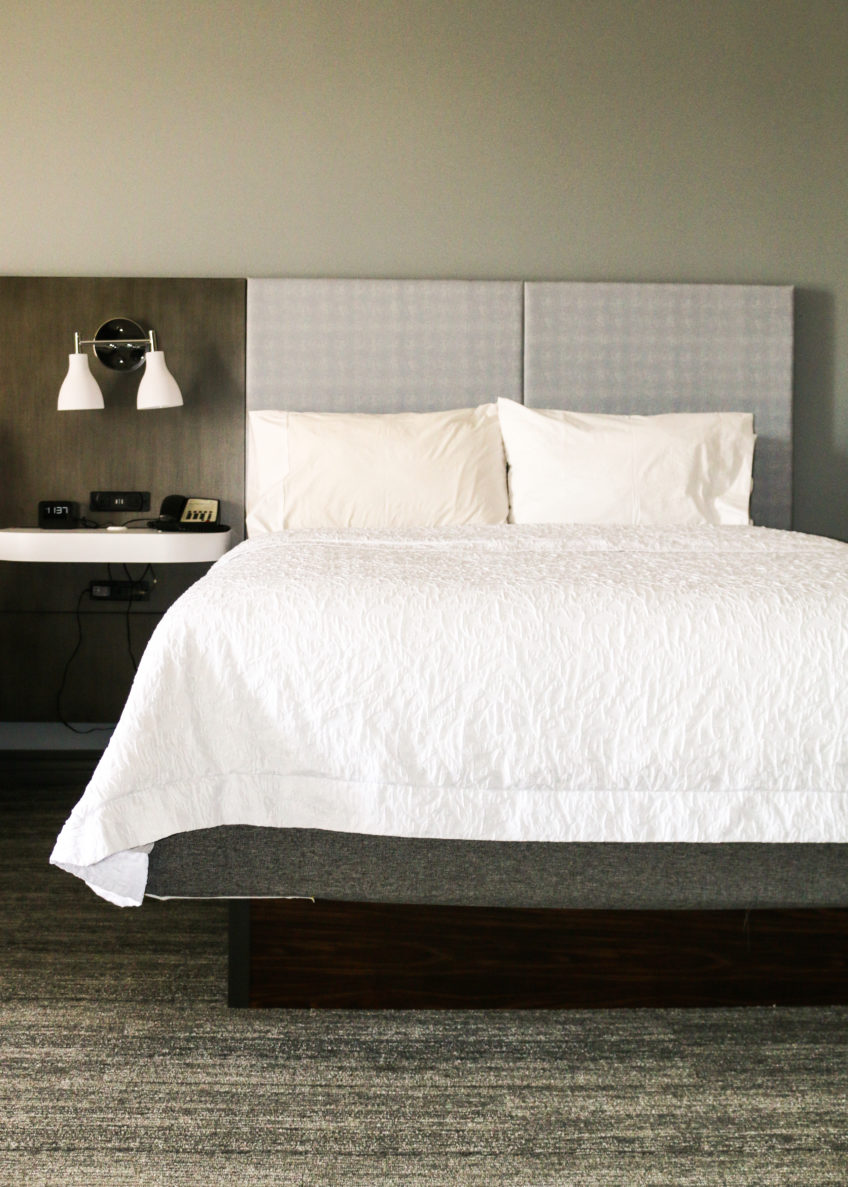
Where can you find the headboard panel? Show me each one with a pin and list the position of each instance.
(382, 345)
(648, 348)
(423, 345)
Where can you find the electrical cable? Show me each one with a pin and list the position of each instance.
(75, 729)
(127, 617)
(144, 519)
(148, 568)
(78, 619)
(90, 523)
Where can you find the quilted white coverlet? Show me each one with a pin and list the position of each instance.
(509, 683)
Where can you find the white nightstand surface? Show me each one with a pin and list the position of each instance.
(96, 545)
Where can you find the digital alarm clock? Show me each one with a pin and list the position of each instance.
(58, 513)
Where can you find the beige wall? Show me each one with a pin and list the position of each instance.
(688, 140)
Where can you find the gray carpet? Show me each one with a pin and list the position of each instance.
(121, 1064)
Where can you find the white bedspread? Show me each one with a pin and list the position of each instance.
(510, 683)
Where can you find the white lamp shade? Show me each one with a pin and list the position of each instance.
(80, 390)
(158, 388)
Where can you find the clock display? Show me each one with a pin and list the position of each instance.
(58, 513)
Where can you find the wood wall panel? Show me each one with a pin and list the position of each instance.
(197, 449)
(35, 648)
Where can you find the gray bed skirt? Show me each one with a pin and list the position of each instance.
(241, 861)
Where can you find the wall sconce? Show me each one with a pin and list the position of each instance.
(121, 345)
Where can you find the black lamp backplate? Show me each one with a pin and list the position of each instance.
(120, 356)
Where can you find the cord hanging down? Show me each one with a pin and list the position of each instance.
(131, 588)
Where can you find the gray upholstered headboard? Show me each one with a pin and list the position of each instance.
(394, 345)
(382, 345)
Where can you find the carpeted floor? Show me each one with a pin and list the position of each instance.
(121, 1064)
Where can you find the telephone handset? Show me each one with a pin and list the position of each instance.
(178, 514)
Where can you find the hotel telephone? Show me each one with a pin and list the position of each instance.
(179, 514)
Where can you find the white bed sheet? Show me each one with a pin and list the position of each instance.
(541, 683)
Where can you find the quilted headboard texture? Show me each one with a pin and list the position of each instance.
(382, 345)
(401, 345)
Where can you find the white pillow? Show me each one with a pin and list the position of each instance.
(364, 470)
(678, 468)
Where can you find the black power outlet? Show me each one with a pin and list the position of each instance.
(119, 500)
(119, 591)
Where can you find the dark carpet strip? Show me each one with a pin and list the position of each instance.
(121, 1064)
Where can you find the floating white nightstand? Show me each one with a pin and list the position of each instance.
(99, 545)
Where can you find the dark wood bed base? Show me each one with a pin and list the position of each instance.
(299, 954)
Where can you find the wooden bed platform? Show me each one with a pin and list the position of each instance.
(336, 955)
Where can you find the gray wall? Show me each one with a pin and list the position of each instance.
(688, 140)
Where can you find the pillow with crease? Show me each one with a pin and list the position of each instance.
(670, 469)
(374, 470)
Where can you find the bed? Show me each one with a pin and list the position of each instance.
(386, 718)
